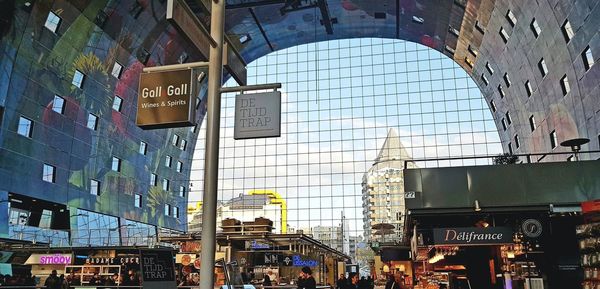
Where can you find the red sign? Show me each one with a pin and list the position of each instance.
(590, 206)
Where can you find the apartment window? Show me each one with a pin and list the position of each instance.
(493, 105)
(137, 201)
(182, 191)
(95, 187)
(116, 164)
(588, 58)
(484, 79)
(168, 161)
(92, 122)
(153, 179)
(25, 126)
(543, 68)
(517, 143)
(535, 28)
(553, 139)
(501, 91)
(175, 139)
(473, 51)
(511, 18)
(528, 88)
(167, 210)
(179, 167)
(58, 104)
(508, 118)
(532, 124)
(489, 68)
(479, 27)
(143, 148)
(450, 49)
(567, 30)
(507, 80)
(78, 78)
(510, 149)
(504, 126)
(117, 69)
(45, 219)
(117, 103)
(183, 144)
(165, 184)
(469, 62)
(175, 212)
(564, 85)
(504, 34)
(52, 22)
(453, 30)
(49, 173)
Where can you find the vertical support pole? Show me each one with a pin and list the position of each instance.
(209, 200)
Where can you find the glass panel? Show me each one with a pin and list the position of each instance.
(25, 126)
(52, 22)
(58, 105)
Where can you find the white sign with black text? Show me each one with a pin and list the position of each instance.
(257, 115)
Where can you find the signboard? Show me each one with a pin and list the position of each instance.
(158, 269)
(472, 236)
(257, 115)
(49, 259)
(256, 245)
(267, 259)
(166, 99)
(590, 206)
(409, 195)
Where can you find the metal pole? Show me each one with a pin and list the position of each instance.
(211, 165)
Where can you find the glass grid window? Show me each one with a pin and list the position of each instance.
(48, 173)
(183, 144)
(543, 68)
(553, 139)
(92, 122)
(175, 139)
(564, 85)
(504, 35)
(367, 89)
(58, 104)
(137, 202)
(116, 70)
(182, 191)
(532, 124)
(567, 30)
(535, 28)
(179, 166)
(165, 184)
(52, 22)
(78, 78)
(511, 18)
(528, 88)
(94, 187)
(588, 58)
(116, 164)
(25, 127)
(117, 103)
(143, 148)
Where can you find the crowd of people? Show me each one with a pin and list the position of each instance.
(395, 281)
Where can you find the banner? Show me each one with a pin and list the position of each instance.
(472, 236)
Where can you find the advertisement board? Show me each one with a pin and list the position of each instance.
(158, 269)
(257, 115)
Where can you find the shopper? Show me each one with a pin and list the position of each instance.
(342, 283)
(53, 282)
(266, 280)
(306, 280)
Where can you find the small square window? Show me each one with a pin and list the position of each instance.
(517, 143)
(504, 126)
(567, 30)
(472, 50)
(165, 184)
(52, 22)
(153, 179)
(543, 68)
(511, 18)
(25, 126)
(507, 80)
(489, 68)
(179, 167)
(183, 144)
(485, 80)
(532, 124)
(553, 139)
(479, 27)
(117, 69)
(564, 85)
(138, 201)
(535, 28)
(175, 139)
(167, 210)
(469, 62)
(143, 148)
(504, 35)
(58, 104)
(116, 164)
(508, 118)
(588, 58)
(168, 161)
(92, 122)
(78, 78)
(117, 103)
(182, 191)
(493, 105)
(501, 91)
(453, 30)
(528, 88)
(95, 187)
(48, 174)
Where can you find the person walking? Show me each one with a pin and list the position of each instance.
(52, 282)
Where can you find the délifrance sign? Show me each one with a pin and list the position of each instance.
(257, 115)
(472, 236)
(166, 99)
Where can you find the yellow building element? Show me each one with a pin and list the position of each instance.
(275, 198)
(193, 208)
